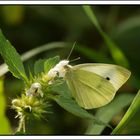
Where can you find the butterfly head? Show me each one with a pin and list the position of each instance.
(62, 64)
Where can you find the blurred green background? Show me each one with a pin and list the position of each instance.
(27, 27)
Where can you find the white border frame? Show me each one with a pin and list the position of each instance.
(111, 2)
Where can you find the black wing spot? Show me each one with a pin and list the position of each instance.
(107, 78)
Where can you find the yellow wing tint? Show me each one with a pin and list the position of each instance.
(89, 89)
(116, 75)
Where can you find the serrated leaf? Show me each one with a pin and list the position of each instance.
(66, 101)
(33, 52)
(12, 58)
(130, 122)
(50, 63)
(39, 66)
(5, 125)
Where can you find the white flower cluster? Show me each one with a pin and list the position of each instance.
(58, 69)
(34, 90)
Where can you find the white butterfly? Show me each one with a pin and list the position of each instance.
(93, 84)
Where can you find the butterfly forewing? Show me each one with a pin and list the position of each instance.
(89, 89)
(116, 75)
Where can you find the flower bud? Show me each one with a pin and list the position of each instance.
(16, 102)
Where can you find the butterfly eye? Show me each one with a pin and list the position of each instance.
(107, 78)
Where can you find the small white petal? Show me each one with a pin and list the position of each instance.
(35, 85)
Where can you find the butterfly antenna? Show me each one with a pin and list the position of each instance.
(75, 59)
(71, 50)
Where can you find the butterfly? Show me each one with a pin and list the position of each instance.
(92, 84)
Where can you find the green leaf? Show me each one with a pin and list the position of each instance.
(92, 17)
(39, 66)
(107, 112)
(116, 53)
(33, 52)
(66, 101)
(12, 58)
(130, 123)
(50, 63)
(5, 126)
(61, 89)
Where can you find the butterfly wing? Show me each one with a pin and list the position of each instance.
(89, 89)
(89, 86)
(116, 75)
